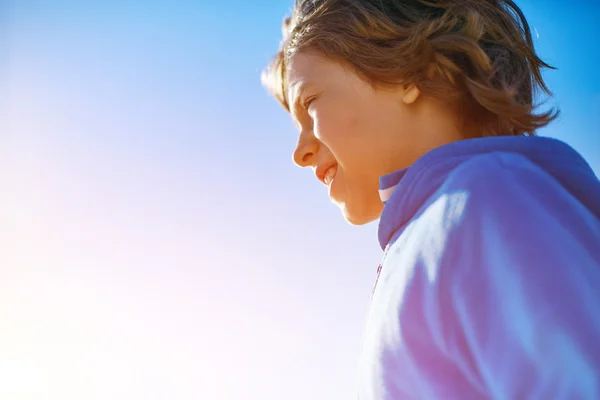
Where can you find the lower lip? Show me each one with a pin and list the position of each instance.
(331, 185)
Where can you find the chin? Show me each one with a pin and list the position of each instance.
(361, 217)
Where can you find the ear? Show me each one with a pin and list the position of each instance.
(411, 93)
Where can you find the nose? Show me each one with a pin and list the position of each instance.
(306, 152)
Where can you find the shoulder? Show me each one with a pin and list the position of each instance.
(501, 182)
(491, 170)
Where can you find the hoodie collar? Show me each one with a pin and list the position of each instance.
(388, 183)
(404, 192)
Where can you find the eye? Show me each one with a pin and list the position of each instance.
(306, 103)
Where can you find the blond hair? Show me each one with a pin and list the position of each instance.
(475, 54)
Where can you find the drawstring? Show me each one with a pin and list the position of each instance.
(377, 278)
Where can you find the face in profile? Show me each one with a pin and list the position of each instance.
(351, 132)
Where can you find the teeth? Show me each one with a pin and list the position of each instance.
(329, 175)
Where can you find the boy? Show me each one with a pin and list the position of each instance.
(421, 113)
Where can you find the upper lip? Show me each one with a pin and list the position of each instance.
(322, 169)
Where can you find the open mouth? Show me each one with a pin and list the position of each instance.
(330, 174)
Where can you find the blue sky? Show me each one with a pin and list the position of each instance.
(158, 242)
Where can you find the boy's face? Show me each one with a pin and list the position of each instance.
(352, 133)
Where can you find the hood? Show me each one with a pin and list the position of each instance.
(404, 192)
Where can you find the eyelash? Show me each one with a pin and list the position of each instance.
(308, 101)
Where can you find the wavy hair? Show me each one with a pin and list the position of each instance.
(477, 55)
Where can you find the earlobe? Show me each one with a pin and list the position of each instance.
(411, 93)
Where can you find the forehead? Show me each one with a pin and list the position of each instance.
(302, 66)
(311, 68)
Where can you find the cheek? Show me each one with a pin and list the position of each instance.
(338, 129)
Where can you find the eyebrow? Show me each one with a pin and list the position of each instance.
(301, 87)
